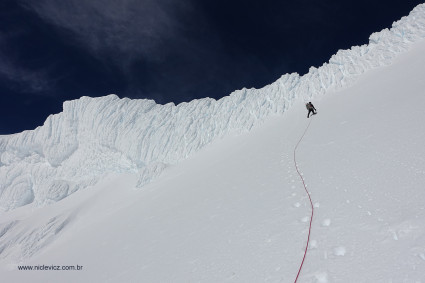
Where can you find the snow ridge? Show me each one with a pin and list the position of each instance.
(94, 136)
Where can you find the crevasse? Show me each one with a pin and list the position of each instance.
(94, 136)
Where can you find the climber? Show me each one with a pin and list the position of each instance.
(310, 108)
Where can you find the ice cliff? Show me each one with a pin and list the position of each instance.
(94, 136)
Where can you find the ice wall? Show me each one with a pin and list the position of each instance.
(94, 136)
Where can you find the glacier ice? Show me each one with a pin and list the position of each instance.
(94, 136)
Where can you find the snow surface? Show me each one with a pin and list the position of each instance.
(235, 211)
(95, 136)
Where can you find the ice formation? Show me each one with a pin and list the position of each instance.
(94, 136)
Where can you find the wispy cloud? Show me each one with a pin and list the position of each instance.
(19, 77)
(23, 79)
(114, 30)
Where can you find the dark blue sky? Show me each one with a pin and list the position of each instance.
(167, 50)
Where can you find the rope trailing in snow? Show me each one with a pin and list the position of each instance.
(311, 203)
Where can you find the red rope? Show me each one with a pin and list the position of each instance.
(311, 203)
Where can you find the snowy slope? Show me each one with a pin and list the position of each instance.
(234, 211)
(96, 136)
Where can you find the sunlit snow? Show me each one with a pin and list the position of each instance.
(207, 191)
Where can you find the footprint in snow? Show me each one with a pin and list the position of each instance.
(321, 277)
(339, 251)
(326, 222)
(312, 245)
(305, 219)
(297, 204)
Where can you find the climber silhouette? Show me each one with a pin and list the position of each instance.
(310, 108)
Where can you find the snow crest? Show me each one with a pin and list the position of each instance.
(94, 136)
